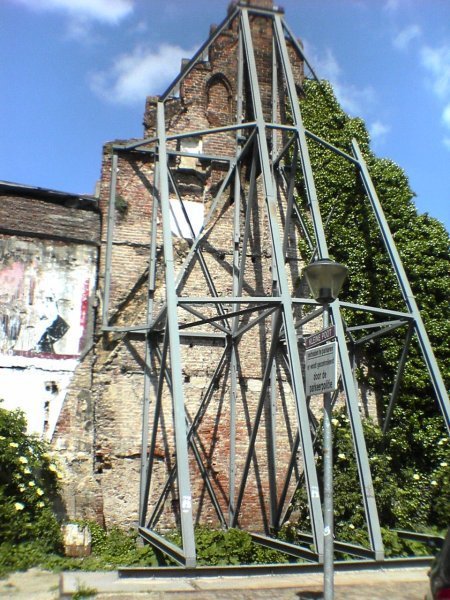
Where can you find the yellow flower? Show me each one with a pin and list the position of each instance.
(14, 444)
(23, 459)
(434, 482)
(39, 492)
(351, 526)
(443, 464)
(342, 456)
(41, 504)
(27, 471)
(19, 505)
(52, 468)
(416, 476)
(31, 483)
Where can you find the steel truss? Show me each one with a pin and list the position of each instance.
(263, 166)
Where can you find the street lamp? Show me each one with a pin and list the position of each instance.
(325, 279)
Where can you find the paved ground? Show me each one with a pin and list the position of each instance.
(401, 584)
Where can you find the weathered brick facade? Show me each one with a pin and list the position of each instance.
(99, 430)
(49, 248)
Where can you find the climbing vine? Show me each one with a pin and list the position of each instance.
(411, 463)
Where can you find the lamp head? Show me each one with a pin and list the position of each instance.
(325, 279)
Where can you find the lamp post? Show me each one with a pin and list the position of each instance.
(325, 279)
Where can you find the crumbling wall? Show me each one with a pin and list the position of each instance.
(207, 99)
(48, 254)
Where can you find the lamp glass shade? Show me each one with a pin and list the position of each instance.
(325, 279)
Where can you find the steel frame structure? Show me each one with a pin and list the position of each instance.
(265, 150)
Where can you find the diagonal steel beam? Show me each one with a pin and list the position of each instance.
(347, 374)
(407, 293)
(398, 378)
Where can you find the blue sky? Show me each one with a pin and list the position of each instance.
(74, 74)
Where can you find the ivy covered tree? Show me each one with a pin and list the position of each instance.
(411, 463)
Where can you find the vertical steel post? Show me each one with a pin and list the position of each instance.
(347, 375)
(362, 458)
(236, 265)
(109, 240)
(184, 485)
(144, 487)
(271, 412)
(328, 514)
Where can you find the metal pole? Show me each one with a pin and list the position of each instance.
(285, 296)
(184, 484)
(328, 517)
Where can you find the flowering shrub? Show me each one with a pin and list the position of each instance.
(28, 487)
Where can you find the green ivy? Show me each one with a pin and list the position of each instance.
(410, 466)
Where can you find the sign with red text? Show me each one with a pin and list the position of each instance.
(325, 335)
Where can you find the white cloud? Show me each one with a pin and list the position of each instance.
(105, 11)
(378, 130)
(406, 36)
(446, 116)
(447, 142)
(142, 72)
(437, 62)
(392, 5)
(326, 65)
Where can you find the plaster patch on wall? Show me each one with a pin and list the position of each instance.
(38, 393)
(179, 225)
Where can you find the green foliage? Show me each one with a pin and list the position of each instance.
(121, 205)
(410, 466)
(230, 547)
(83, 592)
(31, 534)
(28, 489)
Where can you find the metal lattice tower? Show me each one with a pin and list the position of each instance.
(245, 436)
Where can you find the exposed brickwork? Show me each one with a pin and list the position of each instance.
(20, 215)
(207, 99)
(113, 398)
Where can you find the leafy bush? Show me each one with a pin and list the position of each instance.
(230, 547)
(28, 490)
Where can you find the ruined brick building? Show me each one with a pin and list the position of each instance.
(162, 322)
(99, 427)
(88, 380)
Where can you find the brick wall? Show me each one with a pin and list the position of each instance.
(106, 411)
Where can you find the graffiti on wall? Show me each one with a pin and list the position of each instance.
(44, 296)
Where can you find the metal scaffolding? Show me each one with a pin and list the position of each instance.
(268, 152)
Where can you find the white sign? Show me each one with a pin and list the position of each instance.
(321, 369)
